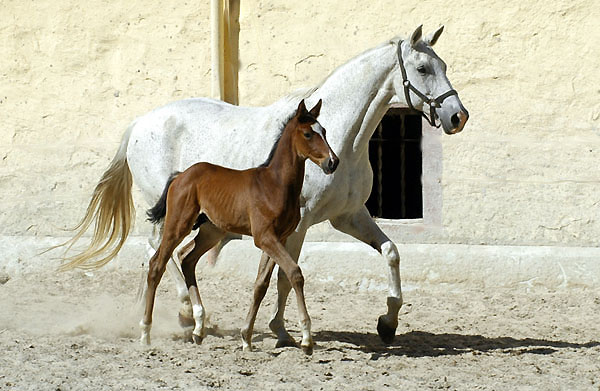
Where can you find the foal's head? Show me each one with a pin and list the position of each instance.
(309, 138)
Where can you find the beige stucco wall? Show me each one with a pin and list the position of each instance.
(72, 77)
(524, 171)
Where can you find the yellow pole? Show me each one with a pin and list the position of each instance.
(217, 53)
(231, 48)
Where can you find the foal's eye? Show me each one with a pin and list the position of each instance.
(308, 135)
(422, 70)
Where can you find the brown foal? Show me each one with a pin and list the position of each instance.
(262, 202)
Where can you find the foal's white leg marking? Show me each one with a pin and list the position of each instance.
(199, 319)
(199, 332)
(145, 329)
(307, 341)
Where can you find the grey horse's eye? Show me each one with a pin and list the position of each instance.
(422, 70)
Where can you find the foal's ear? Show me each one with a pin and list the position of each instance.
(317, 109)
(301, 108)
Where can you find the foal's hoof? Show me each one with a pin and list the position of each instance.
(308, 350)
(386, 333)
(197, 339)
(246, 340)
(246, 347)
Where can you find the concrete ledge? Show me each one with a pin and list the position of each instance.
(353, 263)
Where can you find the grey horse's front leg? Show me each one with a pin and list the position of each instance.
(361, 226)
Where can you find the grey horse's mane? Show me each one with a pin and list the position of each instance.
(306, 92)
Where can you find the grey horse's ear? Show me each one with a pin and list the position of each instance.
(416, 36)
(432, 38)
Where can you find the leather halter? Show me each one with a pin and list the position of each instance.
(433, 103)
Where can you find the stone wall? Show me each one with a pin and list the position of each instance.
(524, 170)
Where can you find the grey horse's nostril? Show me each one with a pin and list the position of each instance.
(455, 120)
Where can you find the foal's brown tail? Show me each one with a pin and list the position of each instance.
(159, 211)
(111, 207)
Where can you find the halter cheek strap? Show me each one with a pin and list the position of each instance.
(434, 103)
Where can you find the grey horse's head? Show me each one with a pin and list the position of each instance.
(423, 82)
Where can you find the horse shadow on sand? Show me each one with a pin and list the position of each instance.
(426, 344)
(418, 343)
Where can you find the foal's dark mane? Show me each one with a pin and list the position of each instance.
(304, 118)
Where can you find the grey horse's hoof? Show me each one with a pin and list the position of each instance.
(286, 343)
(386, 333)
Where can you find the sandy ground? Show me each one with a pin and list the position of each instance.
(77, 331)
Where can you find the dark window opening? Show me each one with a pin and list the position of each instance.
(397, 163)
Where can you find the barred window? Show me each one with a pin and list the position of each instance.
(397, 162)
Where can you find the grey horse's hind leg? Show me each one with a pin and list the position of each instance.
(212, 254)
(361, 226)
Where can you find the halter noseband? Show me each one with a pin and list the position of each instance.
(433, 103)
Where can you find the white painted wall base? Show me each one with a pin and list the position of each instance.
(353, 263)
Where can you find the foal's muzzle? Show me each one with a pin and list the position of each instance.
(330, 164)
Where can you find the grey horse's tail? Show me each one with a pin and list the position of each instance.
(112, 212)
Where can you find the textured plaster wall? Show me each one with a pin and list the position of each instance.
(524, 171)
(73, 75)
